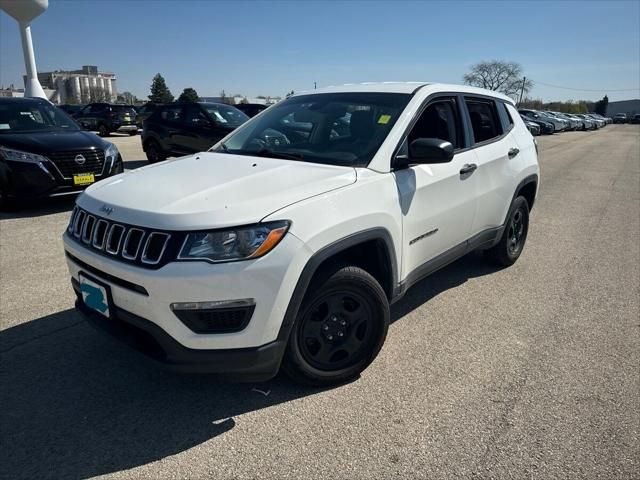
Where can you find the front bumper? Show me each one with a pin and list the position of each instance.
(269, 280)
(127, 128)
(246, 364)
(34, 180)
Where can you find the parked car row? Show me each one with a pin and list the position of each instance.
(549, 122)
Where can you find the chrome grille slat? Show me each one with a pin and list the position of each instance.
(145, 257)
(138, 245)
(79, 223)
(87, 228)
(125, 247)
(98, 243)
(114, 228)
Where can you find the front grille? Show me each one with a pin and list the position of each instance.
(144, 247)
(66, 162)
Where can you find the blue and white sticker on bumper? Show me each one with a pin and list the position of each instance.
(94, 296)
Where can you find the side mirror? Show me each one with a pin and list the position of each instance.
(430, 150)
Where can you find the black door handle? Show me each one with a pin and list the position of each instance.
(468, 168)
(513, 152)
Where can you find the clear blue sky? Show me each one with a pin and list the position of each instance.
(270, 48)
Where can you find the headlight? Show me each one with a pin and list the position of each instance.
(227, 245)
(111, 152)
(19, 156)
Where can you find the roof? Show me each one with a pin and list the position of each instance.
(24, 99)
(405, 87)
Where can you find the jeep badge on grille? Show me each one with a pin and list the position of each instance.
(106, 210)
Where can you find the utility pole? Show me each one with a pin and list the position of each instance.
(315, 85)
(524, 79)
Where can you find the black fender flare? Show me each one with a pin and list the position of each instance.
(318, 258)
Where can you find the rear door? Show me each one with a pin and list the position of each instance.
(496, 151)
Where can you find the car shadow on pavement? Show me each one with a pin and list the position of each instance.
(32, 208)
(76, 404)
(471, 265)
(133, 164)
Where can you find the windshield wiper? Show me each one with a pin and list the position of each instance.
(267, 152)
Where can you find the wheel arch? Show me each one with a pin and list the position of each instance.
(370, 249)
(527, 188)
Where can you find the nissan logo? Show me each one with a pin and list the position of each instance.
(80, 159)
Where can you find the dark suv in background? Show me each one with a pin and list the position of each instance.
(105, 118)
(251, 109)
(44, 153)
(182, 128)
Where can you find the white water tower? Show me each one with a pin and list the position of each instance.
(25, 11)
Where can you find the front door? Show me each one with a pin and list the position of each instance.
(437, 200)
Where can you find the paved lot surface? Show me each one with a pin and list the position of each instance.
(527, 372)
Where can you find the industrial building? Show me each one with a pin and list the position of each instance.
(80, 86)
(630, 107)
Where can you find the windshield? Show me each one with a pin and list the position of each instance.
(333, 128)
(17, 117)
(228, 116)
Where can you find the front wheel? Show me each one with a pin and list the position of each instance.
(133, 133)
(509, 248)
(340, 328)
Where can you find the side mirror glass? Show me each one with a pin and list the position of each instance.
(430, 150)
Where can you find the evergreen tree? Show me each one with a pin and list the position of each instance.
(160, 93)
(189, 95)
(601, 106)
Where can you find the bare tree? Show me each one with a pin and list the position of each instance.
(504, 77)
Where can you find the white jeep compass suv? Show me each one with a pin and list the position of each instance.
(286, 242)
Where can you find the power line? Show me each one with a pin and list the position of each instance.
(588, 89)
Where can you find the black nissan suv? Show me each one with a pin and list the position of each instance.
(182, 128)
(106, 118)
(43, 152)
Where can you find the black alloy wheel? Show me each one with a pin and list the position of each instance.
(336, 330)
(514, 236)
(340, 328)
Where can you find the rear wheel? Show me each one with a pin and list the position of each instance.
(154, 152)
(103, 131)
(509, 248)
(341, 326)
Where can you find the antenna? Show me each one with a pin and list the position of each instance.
(24, 12)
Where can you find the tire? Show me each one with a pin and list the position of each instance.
(340, 328)
(154, 152)
(133, 133)
(103, 131)
(510, 246)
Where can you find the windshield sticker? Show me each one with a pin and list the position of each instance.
(384, 119)
(219, 117)
(4, 126)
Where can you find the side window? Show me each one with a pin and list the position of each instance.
(505, 117)
(171, 114)
(485, 122)
(194, 117)
(441, 119)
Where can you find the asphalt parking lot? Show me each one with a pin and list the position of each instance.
(525, 372)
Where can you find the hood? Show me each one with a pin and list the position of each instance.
(211, 190)
(45, 142)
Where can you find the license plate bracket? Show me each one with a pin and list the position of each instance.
(95, 294)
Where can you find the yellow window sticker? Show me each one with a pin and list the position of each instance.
(384, 119)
